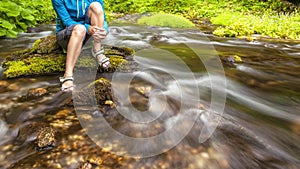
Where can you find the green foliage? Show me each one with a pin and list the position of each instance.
(17, 15)
(274, 18)
(14, 18)
(42, 10)
(277, 26)
(167, 20)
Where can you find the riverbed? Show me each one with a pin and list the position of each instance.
(213, 102)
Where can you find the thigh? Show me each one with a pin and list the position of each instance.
(63, 36)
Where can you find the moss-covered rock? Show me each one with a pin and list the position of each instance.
(46, 56)
(122, 51)
(46, 45)
(38, 64)
(117, 63)
(99, 89)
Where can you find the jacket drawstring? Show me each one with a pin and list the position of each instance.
(77, 9)
(83, 7)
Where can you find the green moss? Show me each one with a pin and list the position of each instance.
(100, 81)
(166, 20)
(122, 51)
(35, 65)
(86, 62)
(46, 45)
(237, 58)
(117, 63)
(35, 45)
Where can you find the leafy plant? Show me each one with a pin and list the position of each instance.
(17, 15)
(14, 18)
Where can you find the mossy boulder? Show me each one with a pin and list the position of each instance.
(121, 51)
(46, 45)
(100, 90)
(46, 57)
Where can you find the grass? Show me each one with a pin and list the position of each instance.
(166, 20)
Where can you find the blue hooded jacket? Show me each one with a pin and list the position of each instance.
(72, 12)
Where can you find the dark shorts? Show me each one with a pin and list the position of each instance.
(63, 37)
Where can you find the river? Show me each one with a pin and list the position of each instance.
(210, 102)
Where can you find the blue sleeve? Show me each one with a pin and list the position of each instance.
(62, 13)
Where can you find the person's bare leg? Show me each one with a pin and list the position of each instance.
(95, 13)
(73, 51)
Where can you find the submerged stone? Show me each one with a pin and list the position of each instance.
(46, 138)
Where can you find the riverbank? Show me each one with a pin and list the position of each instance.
(229, 18)
(238, 18)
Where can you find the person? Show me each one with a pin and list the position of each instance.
(76, 22)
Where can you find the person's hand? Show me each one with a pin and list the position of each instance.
(92, 30)
(97, 33)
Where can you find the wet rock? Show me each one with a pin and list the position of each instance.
(85, 165)
(46, 45)
(33, 93)
(234, 59)
(46, 57)
(27, 132)
(46, 138)
(33, 30)
(101, 88)
(3, 85)
(62, 120)
(121, 51)
(3, 129)
(36, 92)
(159, 38)
(13, 86)
(295, 127)
(95, 160)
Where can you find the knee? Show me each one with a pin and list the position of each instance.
(79, 31)
(96, 8)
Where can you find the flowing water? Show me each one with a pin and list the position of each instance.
(208, 109)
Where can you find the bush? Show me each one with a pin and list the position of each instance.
(14, 18)
(17, 15)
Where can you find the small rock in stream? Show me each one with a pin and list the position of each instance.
(46, 138)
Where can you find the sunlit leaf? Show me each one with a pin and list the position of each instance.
(26, 14)
(2, 32)
(6, 24)
(11, 33)
(13, 13)
(22, 25)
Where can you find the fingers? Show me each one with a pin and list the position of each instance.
(94, 29)
(98, 33)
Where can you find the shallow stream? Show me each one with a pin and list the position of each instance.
(183, 79)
